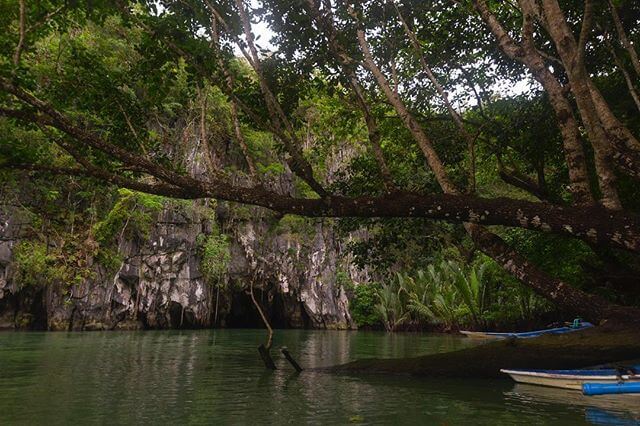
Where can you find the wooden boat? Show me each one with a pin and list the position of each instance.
(526, 334)
(574, 379)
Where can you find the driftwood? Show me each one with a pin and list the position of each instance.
(289, 358)
(266, 357)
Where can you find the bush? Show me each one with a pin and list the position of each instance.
(363, 305)
(132, 215)
(214, 256)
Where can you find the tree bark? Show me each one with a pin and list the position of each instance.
(626, 153)
(410, 122)
(569, 130)
(617, 229)
(281, 125)
(553, 289)
(325, 22)
(624, 40)
(627, 78)
(578, 77)
(21, 32)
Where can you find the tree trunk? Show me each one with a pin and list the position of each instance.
(560, 293)
(626, 146)
(578, 77)
(569, 130)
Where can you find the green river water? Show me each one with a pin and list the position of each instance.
(216, 377)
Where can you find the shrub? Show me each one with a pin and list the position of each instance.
(363, 305)
(214, 256)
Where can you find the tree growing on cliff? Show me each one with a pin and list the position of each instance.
(398, 68)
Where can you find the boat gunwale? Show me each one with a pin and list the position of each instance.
(570, 376)
(527, 334)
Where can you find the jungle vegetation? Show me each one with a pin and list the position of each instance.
(466, 137)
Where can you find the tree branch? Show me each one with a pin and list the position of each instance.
(326, 23)
(410, 122)
(299, 165)
(624, 40)
(587, 23)
(21, 33)
(470, 140)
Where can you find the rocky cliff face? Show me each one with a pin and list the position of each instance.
(159, 283)
(293, 264)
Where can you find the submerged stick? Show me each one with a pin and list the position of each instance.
(266, 357)
(289, 358)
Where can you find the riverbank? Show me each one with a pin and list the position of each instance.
(600, 345)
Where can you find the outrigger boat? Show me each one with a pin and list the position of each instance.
(575, 326)
(574, 379)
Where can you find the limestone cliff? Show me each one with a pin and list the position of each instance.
(159, 283)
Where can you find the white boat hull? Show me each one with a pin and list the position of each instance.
(565, 381)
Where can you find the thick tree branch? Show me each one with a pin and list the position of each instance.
(424, 142)
(558, 292)
(567, 48)
(522, 181)
(585, 30)
(159, 188)
(594, 224)
(627, 78)
(234, 105)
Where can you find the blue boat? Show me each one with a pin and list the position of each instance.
(575, 326)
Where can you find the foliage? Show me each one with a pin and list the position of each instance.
(32, 263)
(214, 256)
(131, 216)
(452, 295)
(137, 73)
(391, 308)
(363, 304)
(38, 265)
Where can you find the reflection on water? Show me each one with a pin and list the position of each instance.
(622, 405)
(216, 377)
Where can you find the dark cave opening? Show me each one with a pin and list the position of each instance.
(243, 313)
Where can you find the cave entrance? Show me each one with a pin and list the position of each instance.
(243, 313)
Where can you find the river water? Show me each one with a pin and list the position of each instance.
(216, 377)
